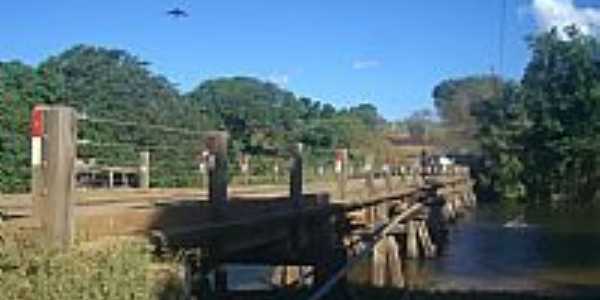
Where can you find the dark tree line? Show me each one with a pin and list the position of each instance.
(540, 137)
(114, 84)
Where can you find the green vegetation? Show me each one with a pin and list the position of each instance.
(540, 137)
(111, 269)
(109, 84)
(454, 99)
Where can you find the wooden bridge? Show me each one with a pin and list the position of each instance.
(313, 234)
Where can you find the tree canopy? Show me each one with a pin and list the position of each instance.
(540, 137)
(454, 100)
(116, 86)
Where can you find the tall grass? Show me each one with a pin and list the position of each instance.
(112, 269)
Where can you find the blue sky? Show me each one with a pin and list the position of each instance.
(390, 53)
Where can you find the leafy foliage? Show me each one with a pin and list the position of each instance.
(122, 98)
(21, 87)
(110, 270)
(454, 100)
(541, 138)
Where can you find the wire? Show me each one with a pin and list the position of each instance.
(105, 145)
(84, 117)
(192, 148)
(501, 38)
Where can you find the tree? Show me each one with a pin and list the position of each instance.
(21, 87)
(117, 86)
(561, 88)
(541, 138)
(454, 100)
(120, 97)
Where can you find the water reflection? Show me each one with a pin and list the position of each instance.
(558, 251)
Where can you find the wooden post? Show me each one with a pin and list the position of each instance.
(387, 173)
(276, 173)
(394, 263)
(425, 239)
(369, 176)
(370, 182)
(125, 179)
(296, 175)
(144, 172)
(111, 179)
(58, 166)
(379, 261)
(245, 167)
(216, 144)
(341, 169)
(38, 162)
(412, 250)
(221, 284)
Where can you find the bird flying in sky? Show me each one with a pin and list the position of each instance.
(177, 13)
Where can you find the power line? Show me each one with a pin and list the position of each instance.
(501, 38)
(164, 128)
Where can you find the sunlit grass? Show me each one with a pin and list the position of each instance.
(109, 269)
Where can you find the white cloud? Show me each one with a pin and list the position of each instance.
(365, 64)
(561, 13)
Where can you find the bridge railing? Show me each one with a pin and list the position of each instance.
(70, 148)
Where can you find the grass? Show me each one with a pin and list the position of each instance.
(109, 269)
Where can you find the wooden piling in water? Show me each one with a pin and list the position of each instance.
(379, 264)
(427, 245)
(412, 250)
(394, 263)
(221, 280)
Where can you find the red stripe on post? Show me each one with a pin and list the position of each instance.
(37, 121)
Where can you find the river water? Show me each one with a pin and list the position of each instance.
(555, 252)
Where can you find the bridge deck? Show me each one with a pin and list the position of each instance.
(127, 212)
